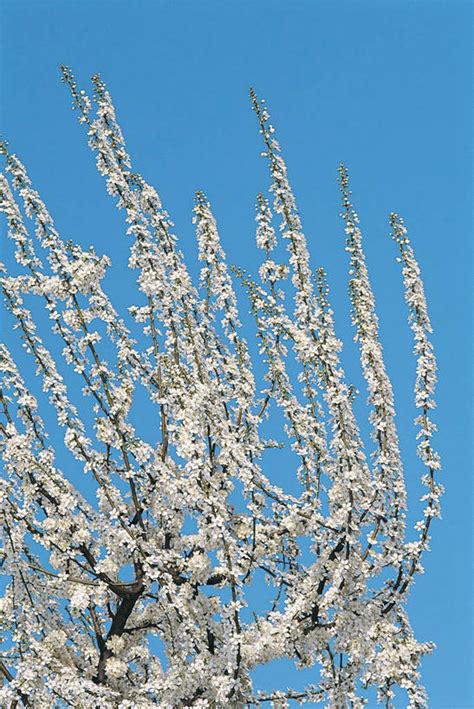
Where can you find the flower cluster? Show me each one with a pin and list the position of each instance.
(137, 588)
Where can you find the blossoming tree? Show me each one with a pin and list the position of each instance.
(191, 513)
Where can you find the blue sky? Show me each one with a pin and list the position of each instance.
(382, 85)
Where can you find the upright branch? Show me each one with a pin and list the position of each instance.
(390, 495)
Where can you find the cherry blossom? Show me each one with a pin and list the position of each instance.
(136, 585)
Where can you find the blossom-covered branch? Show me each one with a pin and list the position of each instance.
(150, 559)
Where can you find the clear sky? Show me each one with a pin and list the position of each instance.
(384, 86)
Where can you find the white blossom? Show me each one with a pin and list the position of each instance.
(134, 584)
